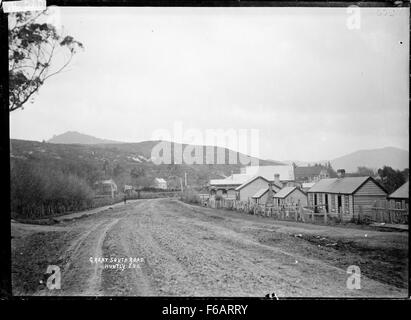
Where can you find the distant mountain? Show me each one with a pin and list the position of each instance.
(373, 158)
(74, 137)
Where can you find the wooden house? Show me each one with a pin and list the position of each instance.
(105, 188)
(290, 196)
(160, 183)
(262, 196)
(247, 190)
(399, 199)
(346, 197)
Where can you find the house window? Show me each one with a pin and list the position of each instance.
(346, 204)
(332, 202)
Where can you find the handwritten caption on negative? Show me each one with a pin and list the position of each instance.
(116, 263)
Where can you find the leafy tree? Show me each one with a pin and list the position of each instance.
(106, 168)
(406, 174)
(362, 172)
(118, 169)
(330, 171)
(136, 172)
(33, 45)
(391, 179)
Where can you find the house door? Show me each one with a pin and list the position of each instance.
(315, 202)
(339, 204)
(326, 203)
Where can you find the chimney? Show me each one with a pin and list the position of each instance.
(277, 180)
(270, 200)
(341, 173)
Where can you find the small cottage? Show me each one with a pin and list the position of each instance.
(290, 196)
(160, 183)
(346, 197)
(105, 188)
(247, 190)
(261, 197)
(399, 198)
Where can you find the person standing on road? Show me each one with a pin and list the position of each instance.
(125, 198)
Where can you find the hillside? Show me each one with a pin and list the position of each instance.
(73, 137)
(373, 158)
(125, 163)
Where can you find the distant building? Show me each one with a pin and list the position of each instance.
(281, 175)
(399, 199)
(160, 183)
(226, 187)
(285, 173)
(128, 189)
(346, 197)
(105, 188)
(310, 174)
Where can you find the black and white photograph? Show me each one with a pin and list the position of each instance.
(236, 152)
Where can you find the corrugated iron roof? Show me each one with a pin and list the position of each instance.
(249, 181)
(260, 193)
(284, 192)
(345, 185)
(401, 193)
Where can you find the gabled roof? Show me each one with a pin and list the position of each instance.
(284, 192)
(250, 181)
(260, 193)
(401, 193)
(160, 180)
(346, 185)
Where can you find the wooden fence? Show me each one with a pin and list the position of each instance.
(284, 212)
(382, 211)
(386, 212)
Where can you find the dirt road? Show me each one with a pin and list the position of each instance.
(177, 249)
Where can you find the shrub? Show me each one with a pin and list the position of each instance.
(190, 196)
(38, 191)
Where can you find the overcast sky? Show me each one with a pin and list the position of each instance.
(312, 87)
